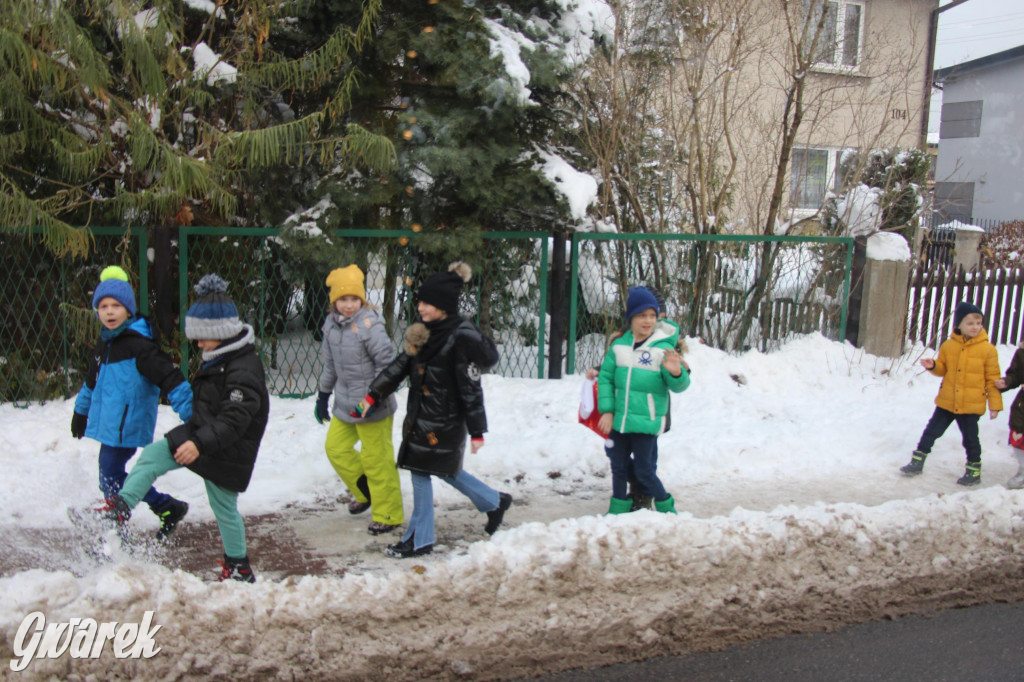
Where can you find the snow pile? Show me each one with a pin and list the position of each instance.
(859, 210)
(579, 189)
(209, 65)
(888, 246)
(506, 44)
(793, 517)
(959, 225)
(593, 586)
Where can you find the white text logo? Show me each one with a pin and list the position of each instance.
(82, 638)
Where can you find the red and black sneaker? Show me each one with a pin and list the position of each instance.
(115, 509)
(236, 569)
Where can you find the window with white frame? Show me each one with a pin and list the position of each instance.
(839, 44)
(813, 173)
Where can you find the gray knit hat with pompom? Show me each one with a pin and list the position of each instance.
(213, 315)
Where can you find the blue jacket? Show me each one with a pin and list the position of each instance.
(122, 389)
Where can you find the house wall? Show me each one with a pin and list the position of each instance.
(876, 105)
(989, 164)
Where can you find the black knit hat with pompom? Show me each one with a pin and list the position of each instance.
(442, 290)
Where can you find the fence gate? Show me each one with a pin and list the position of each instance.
(934, 294)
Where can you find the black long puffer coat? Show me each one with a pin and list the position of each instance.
(230, 407)
(1014, 378)
(446, 399)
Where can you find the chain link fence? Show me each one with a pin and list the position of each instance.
(733, 292)
(286, 300)
(47, 324)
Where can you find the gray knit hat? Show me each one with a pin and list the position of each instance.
(213, 315)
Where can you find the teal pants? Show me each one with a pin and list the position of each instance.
(155, 461)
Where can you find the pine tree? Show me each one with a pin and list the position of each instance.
(129, 113)
(469, 93)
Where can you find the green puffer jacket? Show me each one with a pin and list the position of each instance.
(633, 385)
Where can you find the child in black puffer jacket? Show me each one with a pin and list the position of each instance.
(1014, 378)
(443, 357)
(230, 407)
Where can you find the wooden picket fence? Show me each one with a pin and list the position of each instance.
(935, 293)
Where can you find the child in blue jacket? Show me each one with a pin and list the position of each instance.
(117, 404)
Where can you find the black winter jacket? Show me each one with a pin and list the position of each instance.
(1014, 378)
(446, 399)
(230, 406)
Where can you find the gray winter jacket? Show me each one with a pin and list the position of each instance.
(354, 350)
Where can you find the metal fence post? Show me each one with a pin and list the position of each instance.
(542, 305)
(183, 234)
(574, 281)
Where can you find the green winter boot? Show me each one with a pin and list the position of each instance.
(618, 506)
(916, 463)
(665, 506)
(972, 475)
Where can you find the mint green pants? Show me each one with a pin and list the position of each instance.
(155, 461)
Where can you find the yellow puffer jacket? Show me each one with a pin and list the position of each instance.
(969, 369)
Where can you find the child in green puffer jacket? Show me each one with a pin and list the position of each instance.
(639, 370)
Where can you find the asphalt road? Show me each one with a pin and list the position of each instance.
(976, 644)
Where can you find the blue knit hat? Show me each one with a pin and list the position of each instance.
(639, 300)
(213, 315)
(964, 309)
(114, 284)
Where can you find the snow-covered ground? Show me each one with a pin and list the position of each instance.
(793, 515)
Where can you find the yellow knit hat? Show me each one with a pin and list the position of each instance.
(346, 282)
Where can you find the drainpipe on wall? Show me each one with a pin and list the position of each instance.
(933, 30)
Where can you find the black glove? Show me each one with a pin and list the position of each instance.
(78, 422)
(322, 412)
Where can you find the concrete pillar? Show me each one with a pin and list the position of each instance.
(883, 311)
(920, 232)
(968, 247)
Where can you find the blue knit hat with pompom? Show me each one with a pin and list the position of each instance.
(213, 315)
(114, 284)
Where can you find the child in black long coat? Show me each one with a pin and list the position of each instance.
(1015, 377)
(443, 356)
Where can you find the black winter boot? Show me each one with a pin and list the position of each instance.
(916, 465)
(972, 474)
(170, 517)
(236, 569)
(355, 506)
(495, 517)
(406, 550)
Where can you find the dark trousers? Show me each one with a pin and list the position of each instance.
(940, 421)
(642, 466)
(113, 463)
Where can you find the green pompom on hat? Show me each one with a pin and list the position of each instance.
(114, 284)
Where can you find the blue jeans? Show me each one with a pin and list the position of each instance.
(940, 421)
(421, 524)
(643, 465)
(113, 463)
(155, 461)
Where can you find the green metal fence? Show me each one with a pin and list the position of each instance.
(734, 292)
(46, 322)
(285, 299)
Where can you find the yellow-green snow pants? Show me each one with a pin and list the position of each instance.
(375, 459)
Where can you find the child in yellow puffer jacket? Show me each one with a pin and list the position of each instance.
(969, 367)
